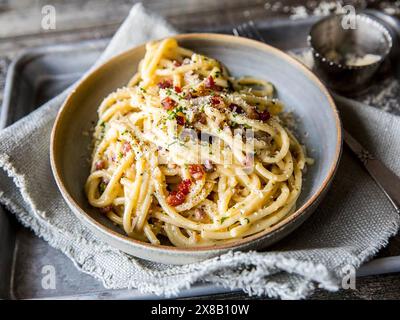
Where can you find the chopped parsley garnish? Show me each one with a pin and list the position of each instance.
(172, 143)
(102, 187)
(223, 219)
(103, 129)
(182, 144)
(173, 113)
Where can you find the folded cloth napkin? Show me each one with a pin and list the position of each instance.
(354, 221)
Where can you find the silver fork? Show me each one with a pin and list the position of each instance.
(383, 176)
(248, 30)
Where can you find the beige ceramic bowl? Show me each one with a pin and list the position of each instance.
(297, 87)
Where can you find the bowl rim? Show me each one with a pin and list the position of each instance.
(82, 214)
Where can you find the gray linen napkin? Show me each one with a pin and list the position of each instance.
(354, 221)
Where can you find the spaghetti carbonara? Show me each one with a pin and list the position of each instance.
(187, 155)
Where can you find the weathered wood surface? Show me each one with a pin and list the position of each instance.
(383, 287)
(380, 287)
(20, 27)
(20, 20)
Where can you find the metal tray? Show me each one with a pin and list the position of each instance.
(36, 76)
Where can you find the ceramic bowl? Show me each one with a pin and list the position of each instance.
(296, 86)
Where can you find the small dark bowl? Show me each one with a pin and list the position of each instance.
(328, 36)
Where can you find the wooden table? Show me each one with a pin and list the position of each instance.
(20, 27)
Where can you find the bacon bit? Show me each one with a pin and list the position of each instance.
(106, 209)
(196, 171)
(208, 165)
(126, 147)
(184, 186)
(168, 103)
(235, 108)
(180, 120)
(253, 114)
(264, 116)
(176, 198)
(202, 118)
(176, 63)
(164, 84)
(209, 83)
(199, 214)
(217, 101)
(178, 89)
(100, 164)
(188, 96)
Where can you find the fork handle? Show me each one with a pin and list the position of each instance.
(386, 179)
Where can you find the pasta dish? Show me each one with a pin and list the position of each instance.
(189, 156)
